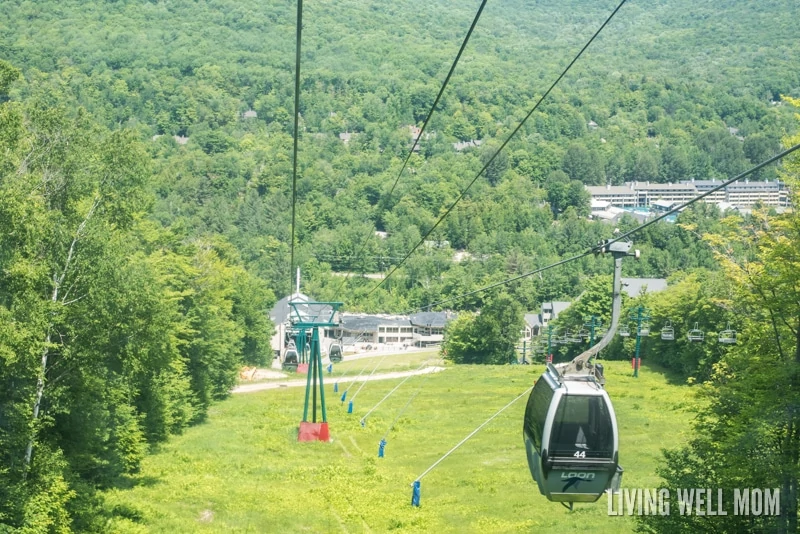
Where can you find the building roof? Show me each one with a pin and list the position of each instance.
(664, 203)
(430, 319)
(753, 186)
(724, 206)
(554, 308)
(611, 213)
(633, 286)
(598, 190)
(647, 186)
(461, 145)
(281, 311)
(702, 185)
(370, 323)
(638, 215)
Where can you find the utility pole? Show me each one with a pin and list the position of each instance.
(640, 315)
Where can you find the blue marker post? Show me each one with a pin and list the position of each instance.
(415, 494)
(344, 396)
(336, 387)
(381, 447)
(330, 368)
(350, 407)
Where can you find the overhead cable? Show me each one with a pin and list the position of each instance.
(502, 146)
(296, 134)
(427, 119)
(595, 249)
(711, 191)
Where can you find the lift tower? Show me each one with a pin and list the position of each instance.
(312, 316)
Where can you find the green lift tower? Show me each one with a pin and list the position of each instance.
(311, 316)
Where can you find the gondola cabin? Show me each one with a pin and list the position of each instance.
(290, 359)
(571, 438)
(335, 354)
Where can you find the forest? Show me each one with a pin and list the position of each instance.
(146, 198)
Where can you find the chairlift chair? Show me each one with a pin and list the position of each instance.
(644, 330)
(598, 334)
(668, 333)
(696, 335)
(728, 336)
(624, 331)
(572, 337)
(571, 438)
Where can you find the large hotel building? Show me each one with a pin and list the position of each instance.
(743, 194)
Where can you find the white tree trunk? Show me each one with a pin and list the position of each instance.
(40, 382)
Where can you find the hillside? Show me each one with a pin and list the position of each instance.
(663, 84)
(244, 471)
(146, 208)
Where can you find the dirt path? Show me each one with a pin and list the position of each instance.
(250, 388)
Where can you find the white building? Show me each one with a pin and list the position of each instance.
(648, 192)
(744, 194)
(535, 323)
(618, 195)
(373, 331)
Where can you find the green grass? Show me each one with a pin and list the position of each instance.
(244, 471)
(403, 361)
(386, 363)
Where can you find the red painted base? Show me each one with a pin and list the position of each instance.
(313, 432)
(302, 368)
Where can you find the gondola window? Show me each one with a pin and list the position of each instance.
(582, 425)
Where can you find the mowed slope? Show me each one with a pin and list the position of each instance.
(243, 470)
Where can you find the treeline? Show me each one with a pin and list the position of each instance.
(115, 332)
(745, 434)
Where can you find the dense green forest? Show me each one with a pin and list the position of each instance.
(663, 84)
(146, 189)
